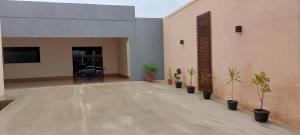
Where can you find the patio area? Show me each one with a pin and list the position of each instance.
(127, 108)
(49, 82)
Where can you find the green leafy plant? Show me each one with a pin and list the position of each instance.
(191, 72)
(177, 75)
(262, 85)
(234, 76)
(150, 68)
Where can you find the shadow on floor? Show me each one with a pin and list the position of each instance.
(48, 82)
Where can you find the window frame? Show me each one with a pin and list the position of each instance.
(16, 49)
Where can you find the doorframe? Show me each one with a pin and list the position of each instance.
(2, 89)
(101, 77)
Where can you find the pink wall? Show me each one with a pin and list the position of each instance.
(270, 42)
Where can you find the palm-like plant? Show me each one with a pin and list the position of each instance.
(234, 76)
(262, 85)
(191, 72)
(205, 78)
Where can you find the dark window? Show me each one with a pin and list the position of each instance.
(21, 54)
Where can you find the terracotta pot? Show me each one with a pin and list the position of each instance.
(170, 81)
(149, 77)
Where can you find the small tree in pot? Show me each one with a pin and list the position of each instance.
(234, 76)
(191, 88)
(177, 76)
(204, 80)
(262, 85)
(170, 80)
(150, 69)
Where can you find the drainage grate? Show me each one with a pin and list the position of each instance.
(4, 103)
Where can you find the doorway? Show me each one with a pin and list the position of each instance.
(88, 63)
(204, 58)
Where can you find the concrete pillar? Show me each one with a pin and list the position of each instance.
(1, 68)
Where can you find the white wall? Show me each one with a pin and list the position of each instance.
(123, 57)
(1, 68)
(56, 56)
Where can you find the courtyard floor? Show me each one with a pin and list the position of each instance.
(124, 108)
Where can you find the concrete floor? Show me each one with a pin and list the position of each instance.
(48, 82)
(124, 108)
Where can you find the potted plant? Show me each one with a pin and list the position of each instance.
(234, 76)
(170, 80)
(191, 88)
(204, 80)
(178, 83)
(150, 69)
(262, 85)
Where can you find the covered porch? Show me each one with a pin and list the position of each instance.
(44, 61)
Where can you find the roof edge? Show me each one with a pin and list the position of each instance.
(70, 3)
(181, 8)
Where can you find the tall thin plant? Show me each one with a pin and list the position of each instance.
(170, 73)
(234, 76)
(191, 72)
(262, 85)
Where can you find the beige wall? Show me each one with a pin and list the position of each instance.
(269, 42)
(1, 68)
(56, 56)
(123, 57)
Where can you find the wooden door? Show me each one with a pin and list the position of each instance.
(204, 49)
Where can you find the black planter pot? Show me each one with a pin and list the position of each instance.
(190, 89)
(261, 115)
(232, 104)
(206, 94)
(178, 84)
